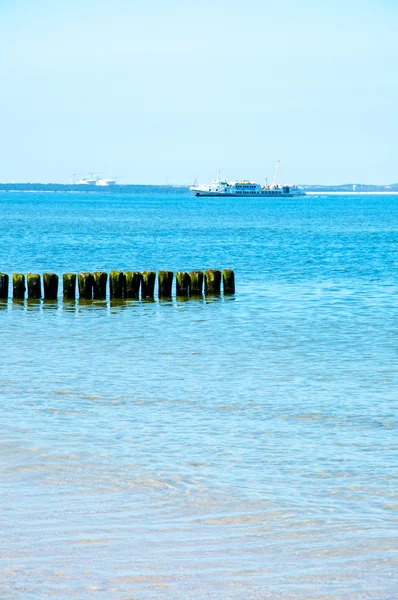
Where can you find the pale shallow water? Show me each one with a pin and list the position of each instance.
(227, 448)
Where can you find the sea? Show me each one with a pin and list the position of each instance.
(241, 447)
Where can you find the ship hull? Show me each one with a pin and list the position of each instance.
(260, 195)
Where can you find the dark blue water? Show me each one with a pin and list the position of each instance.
(231, 448)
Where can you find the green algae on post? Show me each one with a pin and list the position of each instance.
(165, 282)
(34, 286)
(132, 282)
(212, 282)
(85, 283)
(116, 284)
(4, 280)
(50, 285)
(100, 279)
(228, 278)
(196, 278)
(121, 284)
(183, 282)
(148, 284)
(69, 286)
(18, 286)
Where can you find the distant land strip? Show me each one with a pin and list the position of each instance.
(65, 187)
(180, 189)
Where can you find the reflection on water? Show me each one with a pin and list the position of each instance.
(109, 305)
(237, 447)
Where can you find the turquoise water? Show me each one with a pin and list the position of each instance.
(230, 448)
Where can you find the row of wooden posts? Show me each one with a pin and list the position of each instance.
(121, 285)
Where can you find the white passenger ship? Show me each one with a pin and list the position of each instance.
(225, 187)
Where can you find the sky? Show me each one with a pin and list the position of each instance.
(165, 91)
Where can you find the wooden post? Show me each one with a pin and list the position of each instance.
(69, 286)
(132, 282)
(183, 284)
(50, 285)
(18, 286)
(34, 286)
(99, 280)
(212, 282)
(165, 283)
(196, 283)
(228, 279)
(116, 284)
(148, 284)
(85, 282)
(4, 286)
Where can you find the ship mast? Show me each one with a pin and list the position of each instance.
(275, 174)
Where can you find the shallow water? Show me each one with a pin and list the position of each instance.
(230, 448)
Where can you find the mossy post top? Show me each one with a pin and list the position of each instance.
(148, 275)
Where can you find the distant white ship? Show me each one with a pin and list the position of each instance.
(246, 188)
(105, 182)
(86, 182)
(97, 181)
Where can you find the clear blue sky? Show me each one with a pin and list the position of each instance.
(173, 89)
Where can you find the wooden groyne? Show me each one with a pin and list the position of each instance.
(118, 285)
